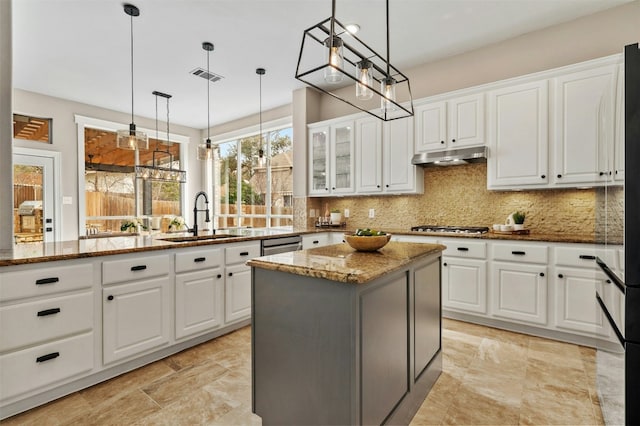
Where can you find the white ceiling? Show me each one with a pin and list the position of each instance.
(79, 49)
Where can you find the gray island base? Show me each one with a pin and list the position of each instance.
(345, 337)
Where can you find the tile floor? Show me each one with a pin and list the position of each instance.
(489, 377)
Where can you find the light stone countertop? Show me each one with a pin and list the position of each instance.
(341, 263)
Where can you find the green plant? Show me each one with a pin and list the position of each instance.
(129, 225)
(176, 223)
(518, 217)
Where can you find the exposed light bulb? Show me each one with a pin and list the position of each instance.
(332, 73)
(365, 78)
(388, 89)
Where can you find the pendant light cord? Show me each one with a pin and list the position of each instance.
(388, 45)
(261, 136)
(132, 68)
(157, 137)
(168, 141)
(208, 100)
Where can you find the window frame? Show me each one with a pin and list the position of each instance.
(83, 122)
(236, 135)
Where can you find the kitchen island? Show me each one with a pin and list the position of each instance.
(345, 337)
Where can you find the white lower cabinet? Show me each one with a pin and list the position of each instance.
(576, 306)
(237, 293)
(520, 292)
(199, 302)
(464, 284)
(314, 240)
(136, 317)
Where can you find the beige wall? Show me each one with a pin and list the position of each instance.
(590, 37)
(251, 120)
(458, 196)
(64, 137)
(6, 100)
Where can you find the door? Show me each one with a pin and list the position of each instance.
(464, 285)
(35, 186)
(399, 174)
(342, 158)
(520, 292)
(318, 161)
(369, 155)
(237, 293)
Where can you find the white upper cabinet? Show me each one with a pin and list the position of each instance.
(450, 124)
(331, 159)
(579, 130)
(518, 135)
(397, 147)
(368, 155)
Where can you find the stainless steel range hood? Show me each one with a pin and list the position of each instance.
(452, 157)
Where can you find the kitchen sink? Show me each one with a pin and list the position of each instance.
(187, 238)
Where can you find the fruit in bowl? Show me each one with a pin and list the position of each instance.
(367, 239)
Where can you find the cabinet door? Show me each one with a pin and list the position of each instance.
(431, 126)
(135, 317)
(319, 161)
(399, 173)
(427, 314)
(520, 292)
(342, 158)
(618, 145)
(384, 357)
(237, 293)
(464, 284)
(577, 128)
(518, 135)
(466, 121)
(368, 155)
(315, 240)
(199, 303)
(576, 305)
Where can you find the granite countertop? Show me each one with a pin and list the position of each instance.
(343, 264)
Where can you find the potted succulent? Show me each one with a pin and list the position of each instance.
(336, 216)
(518, 220)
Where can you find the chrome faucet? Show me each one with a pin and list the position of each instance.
(196, 210)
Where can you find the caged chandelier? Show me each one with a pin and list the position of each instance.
(336, 62)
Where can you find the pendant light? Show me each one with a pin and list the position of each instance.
(156, 172)
(261, 159)
(205, 150)
(332, 59)
(131, 138)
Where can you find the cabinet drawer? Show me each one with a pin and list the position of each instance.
(315, 240)
(464, 248)
(583, 256)
(41, 281)
(525, 253)
(33, 368)
(241, 253)
(115, 271)
(42, 320)
(194, 260)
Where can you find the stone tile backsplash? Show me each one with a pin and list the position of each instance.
(458, 195)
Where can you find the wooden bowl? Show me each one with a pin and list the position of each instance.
(364, 243)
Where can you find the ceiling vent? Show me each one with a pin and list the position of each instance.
(201, 72)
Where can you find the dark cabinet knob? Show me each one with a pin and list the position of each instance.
(387, 185)
(326, 189)
(543, 176)
(377, 186)
(444, 264)
(453, 140)
(559, 176)
(601, 173)
(230, 274)
(219, 276)
(442, 142)
(109, 297)
(542, 274)
(608, 281)
(610, 172)
(333, 187)
(560, 276)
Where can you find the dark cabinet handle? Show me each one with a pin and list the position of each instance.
(560, 276)
(608, 281)
(47, 357)
(601, 173)
(543, 176)
(230, 274)
(463, 248)
(518, 253)
(377, 186)
(47, 280)
(316, 242)
(139, 268)
(333, 187)
(48, 312)
(326, 189)
(219, 276)
(199, 259)
(109, 297)
(244, 253)
(587, 257)
(542, 274)
(559, 176)
(48, 229)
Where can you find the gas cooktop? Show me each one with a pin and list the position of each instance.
(451, 229)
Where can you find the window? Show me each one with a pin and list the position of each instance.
(253, 180)
(32, 128)
(111, 190)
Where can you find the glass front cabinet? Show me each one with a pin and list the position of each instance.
(331, 159)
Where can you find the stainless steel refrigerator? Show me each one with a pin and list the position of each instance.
(619, 373)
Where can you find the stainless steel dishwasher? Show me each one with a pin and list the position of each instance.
(280, 245)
